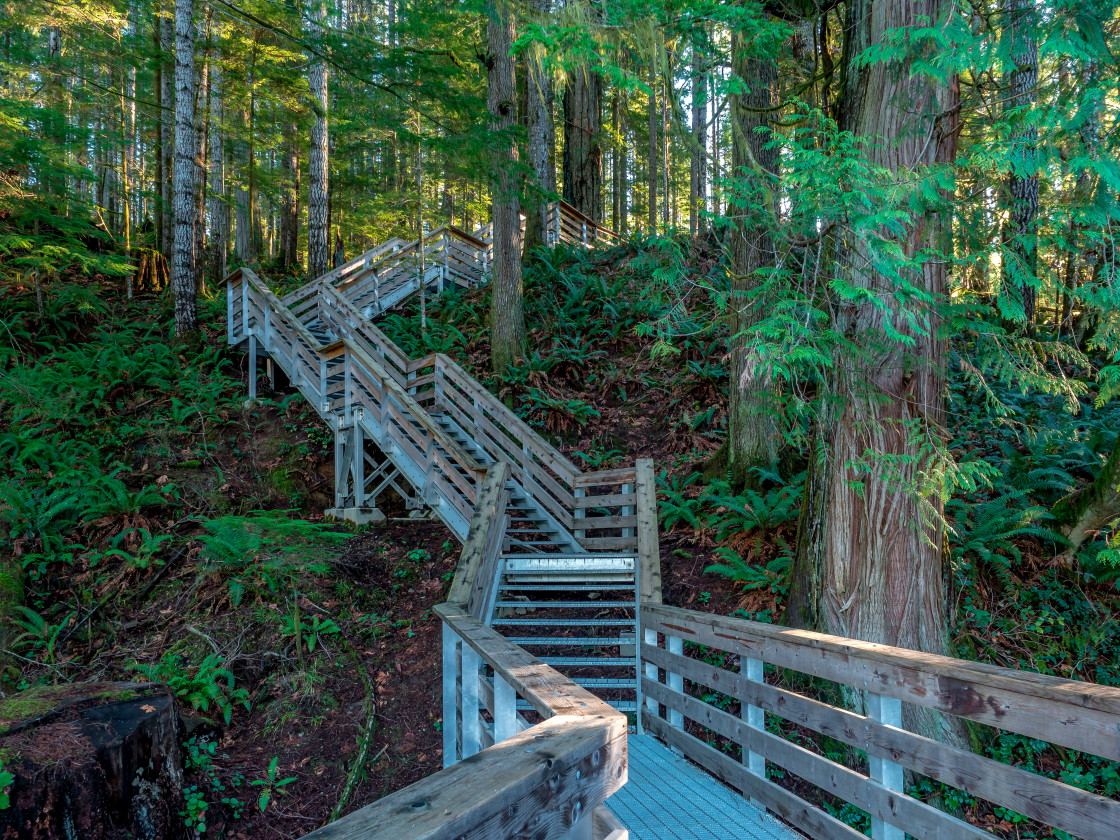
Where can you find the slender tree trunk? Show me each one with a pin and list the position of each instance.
(539, 106)
(697, 187)
(161, 137)
(289, 208)
(507, 315)
(653, 154)
(870, 561)
(583, 154)
(243, 228)
(183, 270)
(318, 210)
(167, 117)
(1022, 181)
(616, 158)
(202, 132)
(752, 435)
(219, 209)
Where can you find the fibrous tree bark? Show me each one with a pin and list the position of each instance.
(869, 556)
(1022, 180)
(539, 98)
(318, 205)
(753, 436)
(184, 282)
(583, 153)
(507, 315)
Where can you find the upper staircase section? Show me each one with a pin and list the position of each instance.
(435, 423)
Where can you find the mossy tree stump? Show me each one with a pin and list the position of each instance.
(95, 761)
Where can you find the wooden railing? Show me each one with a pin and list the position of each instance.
(1068, 713)
(544, 781)
(567, 225)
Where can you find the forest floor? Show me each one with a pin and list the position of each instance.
(169, 530)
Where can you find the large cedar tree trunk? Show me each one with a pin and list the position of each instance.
(507, 315)
(583, 154)
(752, 436)
(539, 96)
(183, 270)
(318, 205)
(870, 562)
(167, 125)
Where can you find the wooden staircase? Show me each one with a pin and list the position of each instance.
(568, 558)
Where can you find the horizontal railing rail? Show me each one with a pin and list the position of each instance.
(1068, 713)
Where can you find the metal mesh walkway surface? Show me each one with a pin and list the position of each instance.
(666, 798)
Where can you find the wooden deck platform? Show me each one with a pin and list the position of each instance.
(667, 798)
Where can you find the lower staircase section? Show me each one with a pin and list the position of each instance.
(579, 614)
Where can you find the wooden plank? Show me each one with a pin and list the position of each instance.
(921, 821)
(621, 475)
(537, 784)
(606, 501)
(649, 542)
(1082, 716)
(790, 807)
(1053, 803)
(610, 543)
(491, 504)
(591, 522)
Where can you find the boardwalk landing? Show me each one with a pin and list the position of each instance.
(667, 798)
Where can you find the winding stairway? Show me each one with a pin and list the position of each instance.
(567, 585)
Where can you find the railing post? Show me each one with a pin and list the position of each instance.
(229, 311)
(755, 717)
(339, 464)
(450, 699)
(580, 513)
(675, 682)
(627, 510)
(505, 709)
(650, 638)
(346, 399)
(252, 366)
(557, 224)
(359, 461)
(470, 738)
(583, 233)
(887, 711)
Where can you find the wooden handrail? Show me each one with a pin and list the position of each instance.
(1079, 715)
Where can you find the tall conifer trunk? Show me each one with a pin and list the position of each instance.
(289, 207)
(697, 184)
(583, 153)
(507, 315)
(869, 562)
(219, 210)
(166, 29)
(318, 205)
(539, 96)
(183, 270)
(651, 169)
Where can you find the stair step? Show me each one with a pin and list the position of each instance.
(620, 705)
(568, 641)
(603, 682)
(563, 605)
(589, 661)
(604, 586)
(566, 622)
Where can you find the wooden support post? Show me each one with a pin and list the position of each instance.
(557, 227)
(340, 467)
(446, 270)
(230, 332)
(888, 711)
(252, 366)
(650, 637)
(268, 330)
(244, 307)
(579, 513)
(358, 460)
(450, 696)
(755, 717)
(675, 644)
(649, 546)
(583, 233)
(322, 378)
(346, 385)
(471, 725)
(582, 828)
(505, 709)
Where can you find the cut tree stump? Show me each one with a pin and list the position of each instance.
(93, 761)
